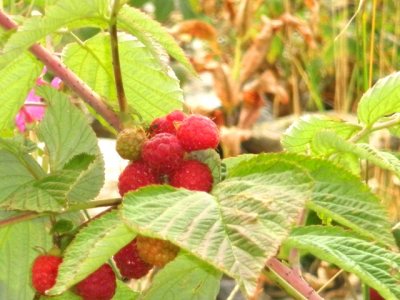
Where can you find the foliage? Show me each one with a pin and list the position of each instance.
(258, 202)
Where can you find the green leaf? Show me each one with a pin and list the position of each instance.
(65, 130)
(17, 168)
(72, 14)
(186, 277)
(71, 142)
(299, 135)
(376, 266)
(53, 192)
(151, 33)
(337, 194)
(17, 253)
(124, 292)
(90, 249)
(237, 228)
(15, 82)
(328, 142)
(381, 100)
(149, 89)
(211, 158)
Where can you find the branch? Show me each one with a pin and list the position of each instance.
(55, 65)
(395, 120)
(80, 206)
(115, 58)
(291, 281)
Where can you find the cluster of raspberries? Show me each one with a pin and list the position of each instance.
(161, 157)
(101, 284)
(157, 157)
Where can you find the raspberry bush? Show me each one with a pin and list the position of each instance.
(186, 215)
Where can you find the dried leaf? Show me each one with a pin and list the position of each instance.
(301, 27)
(224, 86)
(255, 55)
(197, 29)
(229, 6)
(208, 7)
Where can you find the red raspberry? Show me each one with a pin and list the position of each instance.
(192, 175)
(163, 153)
(44, 272)
(374, 295)
(129, 263)
(167, 124)
(198, 133)
(137, 174)
(156, 252)
(100, 285)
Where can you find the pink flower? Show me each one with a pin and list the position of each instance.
(34, 109)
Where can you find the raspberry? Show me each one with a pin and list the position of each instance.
(374, 295)
(129, 142)
(44, 272)
(129, 263)
(100, 285)
(163, 153)
(166, 124)
(156, 252)
(137, 174)
(198, 133)
(192, 175)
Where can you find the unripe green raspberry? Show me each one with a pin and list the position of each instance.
(130, 141)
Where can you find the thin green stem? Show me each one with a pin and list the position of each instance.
(365, 291)
(233, 293)
(329, 281)
(115, 58)
(81, 206)
(395, 120)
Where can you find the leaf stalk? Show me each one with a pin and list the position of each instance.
(115, 58)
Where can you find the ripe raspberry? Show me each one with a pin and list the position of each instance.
(129, 142)
(374, 295)
(100, 285)
(137, 174)
(192, 175)
(156, 252)
(44, 272)
(163, 153)
(198, 133)
(167, 124)
(129, 263)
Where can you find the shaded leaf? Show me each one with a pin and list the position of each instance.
(17, 253)
(376, 266)
(186, 277)
(124, 292)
